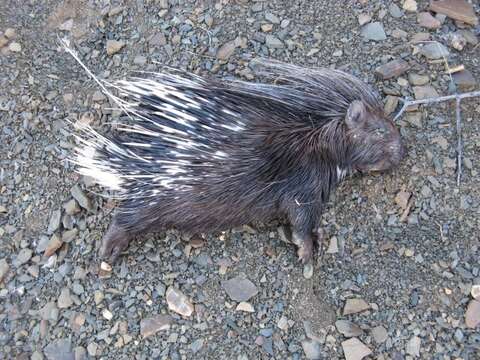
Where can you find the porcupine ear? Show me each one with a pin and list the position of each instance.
(355, 114)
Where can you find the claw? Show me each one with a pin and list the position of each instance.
(114, 242)
(305, 251)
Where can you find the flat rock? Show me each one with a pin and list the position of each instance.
(4, 268)
(245, 306)
(472, 316)
(178, 302)
(424, 92)
(312, 349)
(410, 5)
(158, 39)
(363, 19)
(379, 334)
(59, 350)
(426, 20)
(354, 349)
(65, 299)
(413, 346)
(392, 69)
(475, 292)
(348, 328)
(417, 79)
(239, 289)
(353, 306)
(434, 50)
(374, 31)
(154, 324)
(395, 11)
(82, 199)
(273, 42)
(391, 103)
(53, 245)
(464, 80)
(54, 223)
(114, 46)
(459, 10)
(226, 50)
(49, 312)
(401, 199)
(15, 47)
(22, 257)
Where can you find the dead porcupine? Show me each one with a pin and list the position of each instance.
(202, 155)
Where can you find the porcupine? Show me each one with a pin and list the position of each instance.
(202, 155)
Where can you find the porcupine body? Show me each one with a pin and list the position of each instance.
(200, 155)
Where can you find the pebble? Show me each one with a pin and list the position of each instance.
(426, 20)
(107, 314)
(82, 199)
(312, 349)
(391, 103)
(395, 11)
(226, 50)
(60, 349)
(282, 323)
(49, 312)
(348, 328)
(417, 79)
(266, 27)
(113, 47)
(469, 36)
(333, 246)
(15, 47)
(424, 92)
(472, 315)
(10, 33)
(475, 291)
(22, 257)
(273, 42)
(239, 289)
(53, 245)
(464, 80)
(92, 349)
(379, 334)
(4, 268)
(272, 18)
(392, 69)
(71, 207)
(308, 270)
(399, 34)
(354, 349)
(413, 346)
(363, 19)
(178, 302)
(415, 119)
(3, 41)
(459, 10)
(197, 345)
(158, 39)
(54, 223)
(353, 306)
(410, 5)
(457, 41)
(245, 306)
(64, 300)
(374, 31)
(434, 50)
(154, 324)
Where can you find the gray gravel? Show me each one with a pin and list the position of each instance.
(400, 277)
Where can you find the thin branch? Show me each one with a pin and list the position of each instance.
(459, 141)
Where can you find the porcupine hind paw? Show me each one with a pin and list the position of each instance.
(304, 248)
(114, 242)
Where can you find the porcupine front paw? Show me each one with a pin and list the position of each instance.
(305, 247)
(114, 242)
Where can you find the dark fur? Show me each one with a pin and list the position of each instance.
(283, 163)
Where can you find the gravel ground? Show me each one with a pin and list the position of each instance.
(402, 270)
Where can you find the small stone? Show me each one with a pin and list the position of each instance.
(348, 328)
(15, 47)
(392, 69)
(282, 324)
(49, 312)
(66, 26)
(464, 80)
(284, 23)
(69, 235)
(440, 141)
(71, 207)
(374, 31)
(197, 242)
(196, 346)
(410, 5)
(245, 306)
(4, 268)
(434, 50)
(419, 37)
(54, 223)
(363, 19)
(3, 41)
(266, 27)
(353, 306)
(114, 46)
(64, 300)
(107, 314)
(239, 289)
(273, 42)
(475, 292)
(391, 103)
(426, 20)
(98, 297)
(92, 349)
(23, 257)
(140, 60)
(472, 316)
(178, 302)
(399, 34)
(53, 245)
(469, 36)
(226, 50)
(415, 119)
(413, 346)
(409, 252)
(459, 10)
(36, 356)
(379, 334)
(154, 324)
(105, 266)
(312, 349)
(458, 335)
(333, 246)
(59, 350)
(81, 198)
(272, 18)
(158, 39)
(354, 349)
(457, 41)
(395, 11)
(10, 33)
(80, 353)
(98, 96)
(424, 92)
(417, 79)
(308, 270)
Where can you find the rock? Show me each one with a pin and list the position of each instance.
(399, 34)
(4, 268)
(413, 346)
(282, 324)
(475, 291)
(459, 10)
(410, 5)
(64, 300)
(273, 42)
(426, 20)
(178, 302)
(245, 306)
(107, 314)
(472, 316)
(464, 80)
(80, 353)
(308, 270)
(424, 92)
(196, 346)
(419, 37)
(54, 223)
(226, 50)
(154, 324)
(391, 103)
(353, 306)
(3, 41)
(36, 356)
(71, 207)
(10, 33)
(392, 69)
(374, 31)
(417, 79)
(348, 328)
(49, 312)
(158, 39)
(457, 41)
(379, 334)
(363, 19)
(15, 47)
(333, 246)
(312, 349)
(69, 235)
(239, 289)
(92, 349)
(395, 11)
(469, 36)
(22, 257)
(53, 245)
(113, 47)
(59, 350)
(434, 50)
(401, 199)
(415, 119)
(81, 198)
(66, 26)
(272, 18)
(354, 349)
(266, 27)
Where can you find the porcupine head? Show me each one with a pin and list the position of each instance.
(202, 155)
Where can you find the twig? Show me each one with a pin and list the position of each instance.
(459, 141)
